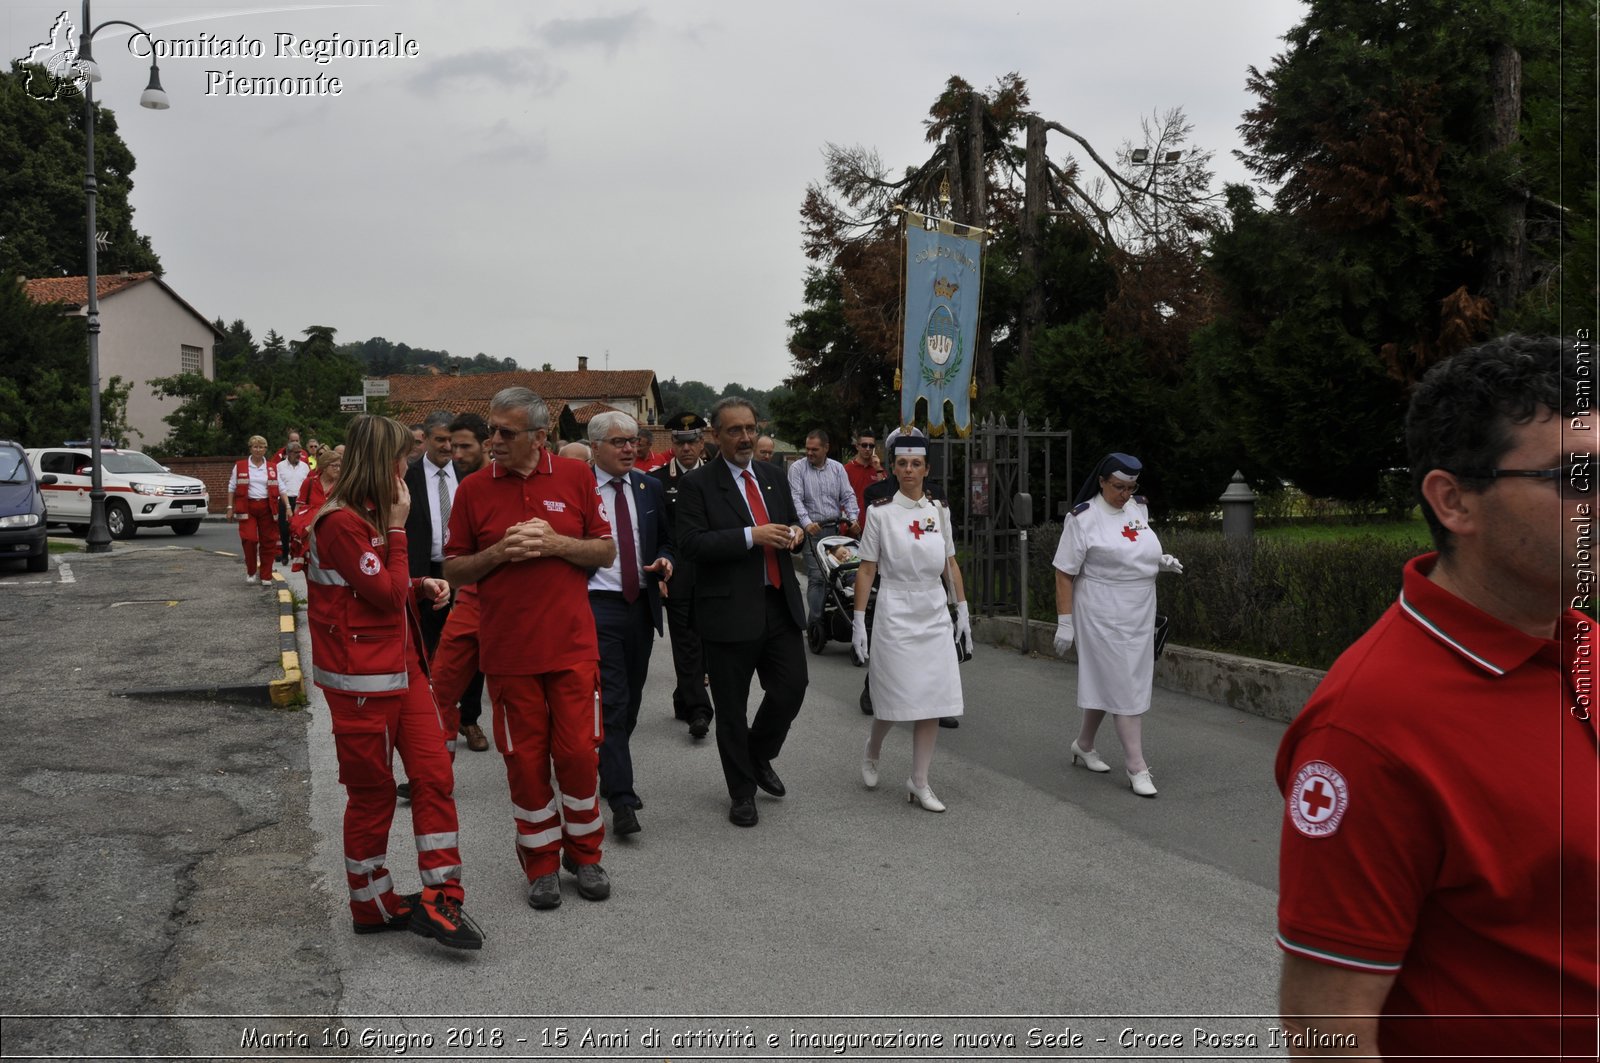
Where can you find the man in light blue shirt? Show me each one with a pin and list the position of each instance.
(822, 493)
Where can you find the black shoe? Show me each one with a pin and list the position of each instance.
(743, 812)
(593, 882)
(438, 916)
(700, 726)
(624, 821)
(403, 791)
(866, 701)
(768, 779)
(400, 920)
(949, 721)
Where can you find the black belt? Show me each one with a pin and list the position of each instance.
(611, 596)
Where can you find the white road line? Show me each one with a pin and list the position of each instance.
(66, 573)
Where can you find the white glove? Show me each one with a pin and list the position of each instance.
(1064, 634)
(1171, 564)
(858, 636)
(963, 628)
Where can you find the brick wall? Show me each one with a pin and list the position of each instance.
(213, 471)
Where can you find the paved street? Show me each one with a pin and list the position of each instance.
(1044, 891)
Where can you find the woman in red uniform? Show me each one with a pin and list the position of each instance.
(367, 658)
(253, 501)
(313, 493)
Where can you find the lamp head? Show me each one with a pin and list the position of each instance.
(154, 96)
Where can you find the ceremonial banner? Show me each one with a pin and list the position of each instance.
(939, 339)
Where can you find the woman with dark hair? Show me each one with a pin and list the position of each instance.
(912, 666)
(1106, 565)
(366, 657)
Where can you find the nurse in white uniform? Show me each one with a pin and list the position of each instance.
(1106, 565)
(908, 541)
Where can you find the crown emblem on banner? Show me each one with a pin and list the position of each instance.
(944, 289)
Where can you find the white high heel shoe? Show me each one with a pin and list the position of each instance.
(923, 797)
(869, 771)
(1090, 758)
(1142, 784)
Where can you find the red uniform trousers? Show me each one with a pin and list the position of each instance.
(545, 718)
(258, 534)
(455, 662)
(366, 733)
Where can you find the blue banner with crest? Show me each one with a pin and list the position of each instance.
(944, 274)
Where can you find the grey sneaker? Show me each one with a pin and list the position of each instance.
(544, 892)
(593, 882)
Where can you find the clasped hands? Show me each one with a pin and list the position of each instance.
(533, 538)
(777, 536)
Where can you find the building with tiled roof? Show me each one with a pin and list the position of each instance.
(147, 330)
(572, 395)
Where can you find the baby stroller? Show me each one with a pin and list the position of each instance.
(839, 596)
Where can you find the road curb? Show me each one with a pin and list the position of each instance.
(291, 689)
(1261, 688)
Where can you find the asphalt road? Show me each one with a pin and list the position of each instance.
(189, 869)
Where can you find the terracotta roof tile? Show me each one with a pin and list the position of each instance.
(74, 291)
(587, 412)
(593, 384)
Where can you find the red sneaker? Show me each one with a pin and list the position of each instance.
(437, 915)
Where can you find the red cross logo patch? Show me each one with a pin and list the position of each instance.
(1318, 799)
(370, 563)
(916, 529)
(1131, 532)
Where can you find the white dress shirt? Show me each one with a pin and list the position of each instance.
(431, 473)
(610, 577)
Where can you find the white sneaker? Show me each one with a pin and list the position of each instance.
(266, 583)
(1142, 784)
(249, 577)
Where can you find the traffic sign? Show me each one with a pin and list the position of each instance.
(352, 404)
(375, 387)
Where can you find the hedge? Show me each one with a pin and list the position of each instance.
(1291, 601)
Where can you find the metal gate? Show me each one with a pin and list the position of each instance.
(980, 475)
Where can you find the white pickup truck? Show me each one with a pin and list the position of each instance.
(140, 492)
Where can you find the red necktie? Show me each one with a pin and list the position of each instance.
(758, 510)
(623, 526)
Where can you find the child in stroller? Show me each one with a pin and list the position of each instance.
(838, 557)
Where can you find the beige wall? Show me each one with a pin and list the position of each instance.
(142, 333)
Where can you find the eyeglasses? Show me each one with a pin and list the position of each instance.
(619, 442)
(865, 446)
(508, 434)
(1575, 480)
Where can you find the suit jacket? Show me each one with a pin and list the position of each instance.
(421, 480)
(655, 532)
(729, 582)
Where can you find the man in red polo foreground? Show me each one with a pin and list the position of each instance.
(525, 531)
(1437, 879)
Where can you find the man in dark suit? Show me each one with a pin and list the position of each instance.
(626, 599)
(737, 525)
(432, 481)
(690, 701)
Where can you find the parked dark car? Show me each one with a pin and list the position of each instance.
(22, 528)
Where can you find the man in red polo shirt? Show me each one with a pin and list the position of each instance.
(525, 531)
(1438, 860)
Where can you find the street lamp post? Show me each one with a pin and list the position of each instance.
(153, 97)
(1141, 157)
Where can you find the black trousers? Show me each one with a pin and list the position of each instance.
(689, 697)
(431, 620)
(625, 634)
(286, 508)
(778, 658)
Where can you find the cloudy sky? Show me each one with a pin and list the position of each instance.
(544, 180)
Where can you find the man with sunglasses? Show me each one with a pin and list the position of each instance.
(1438, 866)
(861, 471)
(528, 530)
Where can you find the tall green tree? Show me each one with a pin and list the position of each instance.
(42, 208)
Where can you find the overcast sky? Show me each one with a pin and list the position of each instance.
(544, 180)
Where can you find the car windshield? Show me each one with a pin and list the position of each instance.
(13, 465)
(129, 462)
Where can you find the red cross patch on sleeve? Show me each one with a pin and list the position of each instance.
(1318, 799)
(370, 563)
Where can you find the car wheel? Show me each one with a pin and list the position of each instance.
(41, 563)
(119, 521)
(186, 527)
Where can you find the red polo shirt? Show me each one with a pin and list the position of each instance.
(861, 477)
(535, 614)
(1440, 825)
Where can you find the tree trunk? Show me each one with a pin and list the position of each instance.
(1507, 261)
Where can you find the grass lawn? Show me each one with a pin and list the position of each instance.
(1413, 531)
(59, 547)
